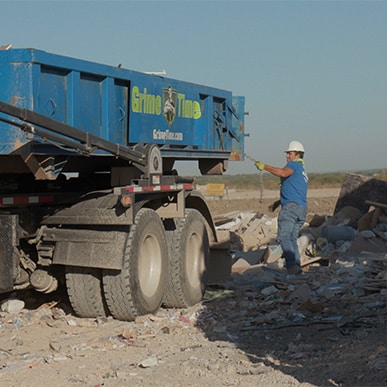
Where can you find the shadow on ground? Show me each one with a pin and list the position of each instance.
(322, 353)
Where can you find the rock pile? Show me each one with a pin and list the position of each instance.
(344, 263)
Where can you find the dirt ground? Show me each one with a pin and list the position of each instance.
(320, 202)
(235, 337)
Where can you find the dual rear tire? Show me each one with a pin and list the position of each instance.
(139, 287)
(188, 260)
(160, 265)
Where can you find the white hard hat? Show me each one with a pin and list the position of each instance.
(295, 146)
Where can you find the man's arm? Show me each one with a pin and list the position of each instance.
(280, 172)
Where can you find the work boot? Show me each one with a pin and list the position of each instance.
(294, 269)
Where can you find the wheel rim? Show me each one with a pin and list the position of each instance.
(195, 263)
(150, 265)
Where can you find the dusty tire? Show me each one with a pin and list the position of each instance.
(139, 287)
(188, 260)
(84, 288)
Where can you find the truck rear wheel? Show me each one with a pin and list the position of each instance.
(84, 289)
(139, 287)
(188, 259)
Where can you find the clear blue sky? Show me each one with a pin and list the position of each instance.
(315, 71)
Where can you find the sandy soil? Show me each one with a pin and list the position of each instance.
(320, 202)
(213, 343)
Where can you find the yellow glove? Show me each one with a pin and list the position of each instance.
(260, 165)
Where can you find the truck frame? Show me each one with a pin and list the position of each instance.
(89, 197)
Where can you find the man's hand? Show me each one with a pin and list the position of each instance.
(260, 165)
(274, 205)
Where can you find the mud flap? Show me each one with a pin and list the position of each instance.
(219, 266)
(87, 248)
(8, 240)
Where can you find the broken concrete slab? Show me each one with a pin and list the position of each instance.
(361, 243)
(356, 190)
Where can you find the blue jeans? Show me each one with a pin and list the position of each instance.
(290, 220)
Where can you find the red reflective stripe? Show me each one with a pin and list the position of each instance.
(46, 199)
(152, 188)
(147, 188)
(20, 200)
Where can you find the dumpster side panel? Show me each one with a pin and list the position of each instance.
(122, 106)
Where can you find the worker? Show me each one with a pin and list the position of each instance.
(294, 186)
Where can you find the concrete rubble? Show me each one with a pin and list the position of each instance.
(344, 279)
(344, 255)
(352, 229)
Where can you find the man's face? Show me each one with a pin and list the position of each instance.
(290, 156)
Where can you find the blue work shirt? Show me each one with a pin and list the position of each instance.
(294, 187)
